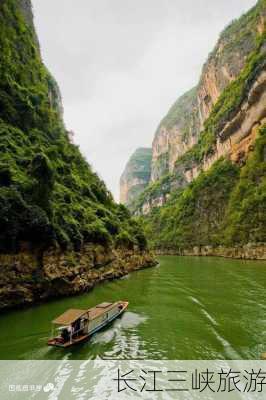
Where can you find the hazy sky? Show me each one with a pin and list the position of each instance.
(120, 65)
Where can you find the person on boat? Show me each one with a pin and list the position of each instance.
(77, 327)
(72, 330)
(65, 335)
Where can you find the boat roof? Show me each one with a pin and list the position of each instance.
(69, 316)
(100, 309)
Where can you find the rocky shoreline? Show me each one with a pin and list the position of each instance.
(245, 252)
(31, 277)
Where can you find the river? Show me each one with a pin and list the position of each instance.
(184, 308)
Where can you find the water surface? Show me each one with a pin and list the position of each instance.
(185, 308)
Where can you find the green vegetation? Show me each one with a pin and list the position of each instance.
(194, 216)
(226, 205)
(48, 192)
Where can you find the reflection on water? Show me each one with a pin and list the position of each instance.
(187, 308)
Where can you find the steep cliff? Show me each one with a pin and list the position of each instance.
(136, 175)
(207, 189)
(60, 230)
(180, 129)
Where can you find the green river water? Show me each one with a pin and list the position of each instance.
(184, 308)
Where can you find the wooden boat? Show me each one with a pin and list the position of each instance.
(75, 325)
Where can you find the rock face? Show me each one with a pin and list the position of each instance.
(177, 132)
(136, 175)
(189, 120)
(30, 277)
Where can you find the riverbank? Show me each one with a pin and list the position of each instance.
(31, 277)
(245, 252)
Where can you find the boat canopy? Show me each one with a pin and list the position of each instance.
(69, 316)
(100, 309)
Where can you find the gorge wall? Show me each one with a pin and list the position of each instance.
(60, 230)
(218, 127)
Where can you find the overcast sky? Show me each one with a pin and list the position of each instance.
(120, 65)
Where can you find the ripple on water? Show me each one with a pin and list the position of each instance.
(204, 312)
(230, 352)
(196, 301)
(211, 319)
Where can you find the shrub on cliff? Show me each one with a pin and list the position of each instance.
(194, 216)
(124, 239)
